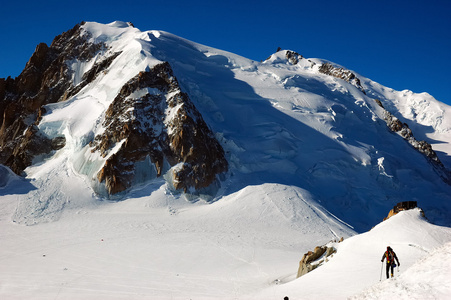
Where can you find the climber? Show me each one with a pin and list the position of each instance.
(390, 255)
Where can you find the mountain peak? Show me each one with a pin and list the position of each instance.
(125, 108)
(148, 120)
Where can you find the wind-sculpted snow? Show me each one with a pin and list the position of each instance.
(162, 247)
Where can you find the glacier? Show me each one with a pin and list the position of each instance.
(279, 120)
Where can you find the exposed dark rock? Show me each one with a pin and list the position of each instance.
(395, 125)
(145, 131)
(401, 206)
(379, 103)
(293, 57)
(45, 79)
(58, 143)
(341, 73)
(31, 145)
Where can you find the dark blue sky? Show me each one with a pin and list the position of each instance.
(400, 44)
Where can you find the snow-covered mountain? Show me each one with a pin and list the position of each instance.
(221, 170)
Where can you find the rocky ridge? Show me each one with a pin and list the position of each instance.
(327, 69)
(341, 73)
(395, 125)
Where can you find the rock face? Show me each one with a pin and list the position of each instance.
(150, 118)
(142, 124)
(341, 73)
(45, 79)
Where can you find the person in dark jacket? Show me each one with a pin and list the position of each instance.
(390, 256)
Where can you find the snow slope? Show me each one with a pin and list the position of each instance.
(428, 278)
(290, 124)
(246, 246)
(162, 247)
(357, 265)
(310, 159)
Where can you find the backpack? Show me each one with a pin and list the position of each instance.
(390, 257)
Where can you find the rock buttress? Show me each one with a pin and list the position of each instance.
(152, 118)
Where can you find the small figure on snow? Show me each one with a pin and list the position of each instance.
(390, 256)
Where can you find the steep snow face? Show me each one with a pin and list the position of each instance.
(290, 123)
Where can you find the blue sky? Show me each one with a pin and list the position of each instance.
(400, 44)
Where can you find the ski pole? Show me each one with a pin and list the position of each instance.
(382, 266)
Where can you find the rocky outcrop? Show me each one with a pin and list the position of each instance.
(32, 144)
(401, 206)
(305, 265)
(153, 119)
(293, 57)
(395, 125)
(341, 73)
(313, 259)
(45, 79)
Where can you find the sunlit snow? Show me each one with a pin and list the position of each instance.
(310, 161)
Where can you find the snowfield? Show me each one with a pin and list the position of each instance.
(163, 247)
(246, 246)
(310, 161)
